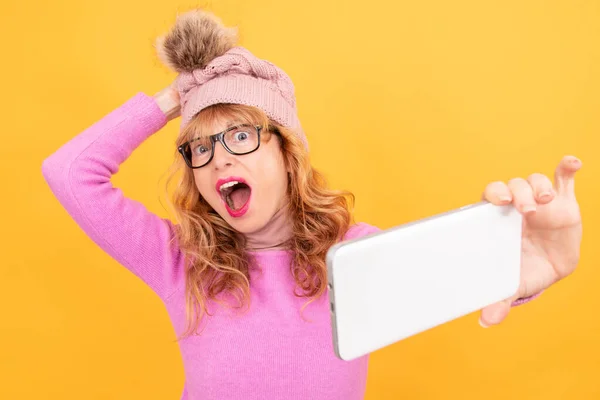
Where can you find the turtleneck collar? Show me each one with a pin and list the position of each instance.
(274, 235)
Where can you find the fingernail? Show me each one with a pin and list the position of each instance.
(528, 208)
(545, 195)
(504, 199)
(483, 325)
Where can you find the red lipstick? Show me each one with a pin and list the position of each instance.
(242, 210)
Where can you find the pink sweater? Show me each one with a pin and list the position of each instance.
(268, 353)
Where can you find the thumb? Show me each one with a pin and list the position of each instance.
(495, 313)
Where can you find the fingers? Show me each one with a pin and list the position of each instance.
(526, 194)
(523, 195)
(497, 193)
(564, 175)
(543, 192)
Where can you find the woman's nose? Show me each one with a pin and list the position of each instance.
(222, 158)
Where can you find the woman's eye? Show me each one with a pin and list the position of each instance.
(199, 150)
(241, 136)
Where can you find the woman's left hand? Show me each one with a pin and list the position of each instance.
(551, 231)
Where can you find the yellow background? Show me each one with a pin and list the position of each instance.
(413, 105)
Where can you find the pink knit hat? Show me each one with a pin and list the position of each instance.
(212, 70)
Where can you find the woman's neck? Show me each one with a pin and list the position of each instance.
(274, 235)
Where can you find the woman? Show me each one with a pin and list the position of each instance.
(242, 274)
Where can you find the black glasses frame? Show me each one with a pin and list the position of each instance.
(219, 137)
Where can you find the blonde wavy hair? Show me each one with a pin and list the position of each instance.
(216, 263)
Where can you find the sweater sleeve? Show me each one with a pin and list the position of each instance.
(79, 175)
(524, 300)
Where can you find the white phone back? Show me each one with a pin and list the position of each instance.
(393, 284)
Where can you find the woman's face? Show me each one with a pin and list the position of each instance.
(246, 190)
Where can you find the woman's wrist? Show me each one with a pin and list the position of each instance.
(168, 101)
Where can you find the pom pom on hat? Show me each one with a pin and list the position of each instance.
(196, 38)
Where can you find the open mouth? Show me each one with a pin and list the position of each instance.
(236, 196)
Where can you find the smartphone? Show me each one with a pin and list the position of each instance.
(393, 284)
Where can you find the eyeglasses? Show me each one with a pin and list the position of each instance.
(238, 140)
